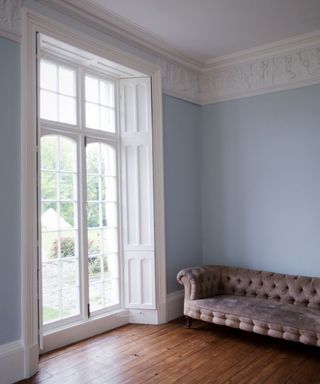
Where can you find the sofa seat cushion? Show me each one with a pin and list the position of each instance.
(267, 317)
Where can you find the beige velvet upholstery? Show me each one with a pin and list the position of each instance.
(273, 304)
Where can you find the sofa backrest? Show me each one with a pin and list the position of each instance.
(290, 289)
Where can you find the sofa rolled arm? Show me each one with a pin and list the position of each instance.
(199, 282)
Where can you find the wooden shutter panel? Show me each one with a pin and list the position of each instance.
(137, 193)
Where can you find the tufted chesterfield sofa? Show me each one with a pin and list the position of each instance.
(273, 304)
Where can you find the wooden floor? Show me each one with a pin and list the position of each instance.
(171, 353)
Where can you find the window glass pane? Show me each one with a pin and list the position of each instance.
(113, 265)
(49, 221)
(66, 186)
(107, 122)
(49, 216)
(93, 188)
(109, 189)
(108, 161)
(48, 105)
(96, 296)
(101, 214)
(69, 302)
(110, 240)
(67, 159)
(49, 148)
(99, 100)
(92, 158)
(92, 89)
(68, 244)
(110, 292)
(49, 245)
(110, 265)
(106, 267)
(67, 215)
(69, 271)
(93, 215)
(94, 241)
(50, 306)
(110, 213)
(48, 76)
(57, 93)
(94, 268)
(107, 93)
(67, 110)
(67, 81)
(49, 185)
(92, 116)
(50, 276)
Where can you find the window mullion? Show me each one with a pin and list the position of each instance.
(59, 229)
(58, 96)
(83, 228)
(80, 103)
(83, 238)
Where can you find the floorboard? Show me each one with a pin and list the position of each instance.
(170, 353)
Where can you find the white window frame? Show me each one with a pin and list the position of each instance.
(115, 307)
(33, 23)
(77, 141)
(82, 136)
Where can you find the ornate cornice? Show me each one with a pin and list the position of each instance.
(293, 64)
(179, 81)
(271, 72)
(10, 19)
(286, 64)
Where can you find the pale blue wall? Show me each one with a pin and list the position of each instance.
(182, 186)
(9, 191)
(259, 160)
(261, 182)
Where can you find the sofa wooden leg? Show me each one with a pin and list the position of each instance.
(188, 322)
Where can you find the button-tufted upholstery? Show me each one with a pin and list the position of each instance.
(268, 303)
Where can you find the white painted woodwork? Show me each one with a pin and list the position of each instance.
(12, 362)
(84, 329)
(137, 194)
(34, 23)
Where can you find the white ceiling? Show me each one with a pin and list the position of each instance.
(206, 29)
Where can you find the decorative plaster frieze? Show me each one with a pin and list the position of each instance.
(179, 81)
(278, 66)
(270, 73)
(10, 19)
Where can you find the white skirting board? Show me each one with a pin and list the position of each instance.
(175, 305)
(11, 362)
(173, 310)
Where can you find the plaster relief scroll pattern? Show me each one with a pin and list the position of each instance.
(277, 71)
(259, 76)
(179, 80)
(10, 18)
